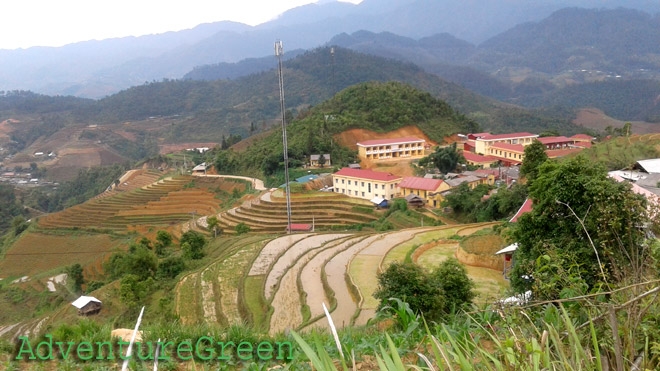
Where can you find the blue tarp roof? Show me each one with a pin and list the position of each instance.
(307, 178)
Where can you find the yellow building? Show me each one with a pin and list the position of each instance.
(383, 149)
(427, 189)
(367, 184)
(314, 160)
(509, 154)
(484, 141)
(478, 160)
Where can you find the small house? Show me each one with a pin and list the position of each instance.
(200, 169)
(87, 305)
(354, 166)
(414, 200)
(379, 202)
(315, 160)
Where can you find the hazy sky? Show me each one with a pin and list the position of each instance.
(28, 23)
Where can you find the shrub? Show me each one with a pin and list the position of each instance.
(170, 267)
(409, 282)
(457, 286)
(192, 244)
(75, 273)
(242, 228)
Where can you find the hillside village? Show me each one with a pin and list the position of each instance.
(416, 203)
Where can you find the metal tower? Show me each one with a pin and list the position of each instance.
(279, 52)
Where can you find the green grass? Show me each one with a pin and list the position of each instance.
(255, 301)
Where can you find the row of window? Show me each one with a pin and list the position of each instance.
(506, 154)
(359, 194)
(362, 185)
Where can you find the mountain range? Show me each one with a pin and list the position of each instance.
(98, 68)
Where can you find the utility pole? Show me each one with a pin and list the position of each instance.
(279, 52)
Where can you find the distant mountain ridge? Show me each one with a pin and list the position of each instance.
(99, 68)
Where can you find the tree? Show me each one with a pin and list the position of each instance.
(534, 156)
(242, 228)
(170, 267)
(192, 244)
(321, 160)
(132, 289)
(75, 273)
(19, 225)
(457, 286)
(163, 241)
(139, 261)
(409, 282)
(584, 231)
(445, 159)
(212, 222)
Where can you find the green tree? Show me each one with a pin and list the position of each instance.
(534, 156)
(133, 290)
(322, 160)
(163, 241)
(445, 159)
(242, 228)
(212, 222)
(192, 244)
(75, 273)
(585, 230)
(410, 283)
(458, 288)
(170, 267)
(139, 261)
(19, 225)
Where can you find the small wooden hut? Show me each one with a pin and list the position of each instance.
(87, 305)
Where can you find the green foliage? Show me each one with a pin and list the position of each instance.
(170, 267)
(75, 273)
(242, 228)
(133, 290)
(192, 244)
(19, 225)
(457, 286)
(212, 222)
(138, 261)
(534, 156)
(552, 239)
(445, 159)
(463, 200)
(163, 241)
(410, 283)
(9, 207)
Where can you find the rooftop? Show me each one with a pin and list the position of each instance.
(458, 181)
(651, 165)
(554, 153)
(525, 208)
(551, 140)
(84, 300)
(413, 182)
(508, 136)
(509, 147)
(367, 174)
(380, 142)
(317, 157)
(583, 137)
(478, 158)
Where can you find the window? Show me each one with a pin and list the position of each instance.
(349, 182)
(382, 186)
(363, 185)
(392, 186)
(342, 181)
(362, 194)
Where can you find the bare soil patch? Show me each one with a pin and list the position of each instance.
(594, 118)
(350, 138)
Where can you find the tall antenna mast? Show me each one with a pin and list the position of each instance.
(279, 52)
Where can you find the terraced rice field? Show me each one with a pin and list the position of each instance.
(267, 214)
(280, 283)
(164, 203)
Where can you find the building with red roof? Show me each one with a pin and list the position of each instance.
(426, 188)
(556, 142)
(554, 153)
(525, 208)
(395, 148)
(484, 142)
(367, 184)
(479, 160)
(583, 138)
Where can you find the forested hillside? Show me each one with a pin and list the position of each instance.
(374, 106)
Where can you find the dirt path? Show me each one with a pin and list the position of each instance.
(257, 184)
(335, 271)
(272, 250)
(286, 303)
(290, 256)
(310, 276)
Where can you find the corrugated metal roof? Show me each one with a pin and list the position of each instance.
(84, 300)
(509, 147)
(413, 182)
(367, 174)
(508, 136)
(525, 208)
(651, 165)
(380, 142)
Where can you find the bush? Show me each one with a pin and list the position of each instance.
(409, 282)
(75, 273)
(170, 267)
(192, 244)
(457, 286)
(139, 261)
(242, 228)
